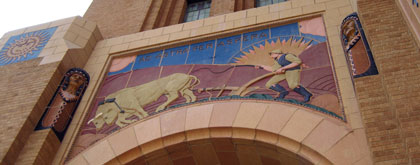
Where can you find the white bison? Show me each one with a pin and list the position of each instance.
(130, 101)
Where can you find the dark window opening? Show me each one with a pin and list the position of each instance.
(259, 3)
(197, 9)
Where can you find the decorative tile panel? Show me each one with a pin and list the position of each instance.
(356, 47)
(63, 104)
(25, 46)
(218, 69)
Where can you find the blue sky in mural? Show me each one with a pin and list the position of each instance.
(228, 45)
(201, 53)
(175, 56)
(251, 39)
(248, 39)
(285, 30)
(147, 60)
(222, 50)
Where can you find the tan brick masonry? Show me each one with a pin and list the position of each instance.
(389, 101)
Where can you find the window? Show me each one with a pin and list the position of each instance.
(197, 9)
(260, 3)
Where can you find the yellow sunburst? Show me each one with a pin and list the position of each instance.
(259, 56)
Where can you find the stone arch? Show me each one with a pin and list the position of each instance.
(287, 129)
(180, 149)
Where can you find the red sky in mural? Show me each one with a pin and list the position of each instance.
(313, 26)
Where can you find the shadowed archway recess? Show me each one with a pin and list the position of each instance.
(226, 151)
(241, 132)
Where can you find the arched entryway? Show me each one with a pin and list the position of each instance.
(228, 151)
(247, 132)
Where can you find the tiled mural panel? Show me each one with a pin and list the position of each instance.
(227, 68)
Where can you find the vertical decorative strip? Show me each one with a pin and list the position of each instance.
(63, 105)
(356, 47)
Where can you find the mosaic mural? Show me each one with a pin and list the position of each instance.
(288, 64)
(25, 46)
(356, 47)
(64, 103)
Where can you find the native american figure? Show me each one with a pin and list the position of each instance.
(356, 47)
(127, 102)
(62, 106)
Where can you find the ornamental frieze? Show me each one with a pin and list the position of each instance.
(286, 64)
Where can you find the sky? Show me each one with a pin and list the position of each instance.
(17, 14)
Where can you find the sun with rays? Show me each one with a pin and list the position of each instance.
(259, 56)
(24, 46)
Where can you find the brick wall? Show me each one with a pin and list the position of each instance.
(116, 18)
(131, 16)
(244, 4)
(121, 18)
(22, 98)
(27, 87)
(389, 101)
(40, 148)
(219, 7)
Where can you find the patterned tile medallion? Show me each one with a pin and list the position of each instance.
(25, 46)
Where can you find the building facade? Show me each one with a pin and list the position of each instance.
(215, 82)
